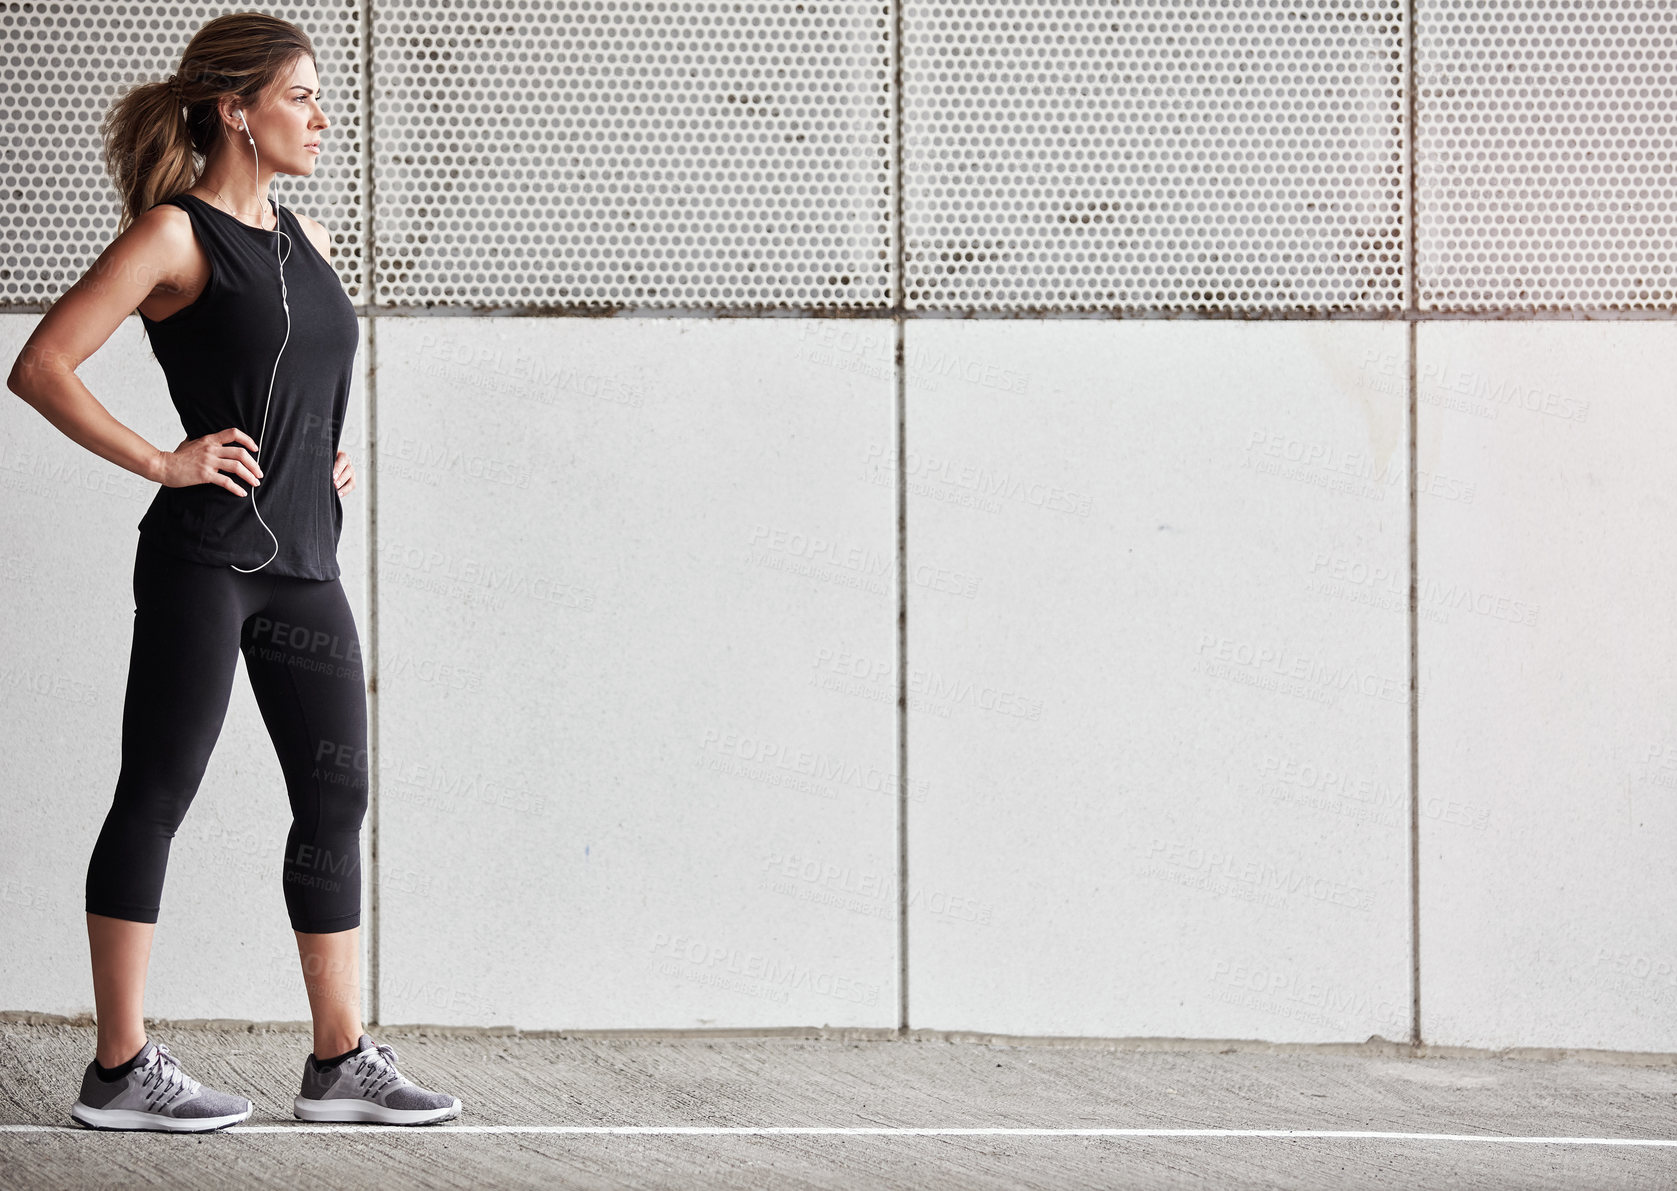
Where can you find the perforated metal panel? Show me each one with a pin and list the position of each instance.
(1545, 167)
(643, 153)
(61, 66)
(1156, 155)
(1161, 154)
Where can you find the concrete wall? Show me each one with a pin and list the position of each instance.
(1177, 763)
(636, 680)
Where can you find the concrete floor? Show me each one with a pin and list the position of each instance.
(524, 1081)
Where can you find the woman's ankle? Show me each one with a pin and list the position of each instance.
(330, 1046)
(115, 1054)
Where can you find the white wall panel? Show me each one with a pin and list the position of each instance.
(614, 559)
(223, 945)
(1548, 719)
(1158, 652)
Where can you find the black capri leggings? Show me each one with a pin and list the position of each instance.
(304, 660)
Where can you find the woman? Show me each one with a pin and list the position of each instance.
(224, 567)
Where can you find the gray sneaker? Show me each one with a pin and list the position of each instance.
(367, 1087)
(156, 1094)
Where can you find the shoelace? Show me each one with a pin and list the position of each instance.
(167, 1081)
(375, 1069)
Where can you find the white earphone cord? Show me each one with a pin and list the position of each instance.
(262, 437)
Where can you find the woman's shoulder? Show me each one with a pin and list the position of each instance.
(170, 206)
(316, 232)
(165, 223)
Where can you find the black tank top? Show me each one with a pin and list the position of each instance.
(218, 354)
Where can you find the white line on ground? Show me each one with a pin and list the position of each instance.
(903, 1131)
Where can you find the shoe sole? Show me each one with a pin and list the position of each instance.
(136, 1119)
(366, 1111)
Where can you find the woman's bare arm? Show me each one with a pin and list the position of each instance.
(148, 254)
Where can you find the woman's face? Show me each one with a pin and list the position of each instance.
(288, 123)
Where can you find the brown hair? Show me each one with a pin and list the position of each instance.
(158, 134)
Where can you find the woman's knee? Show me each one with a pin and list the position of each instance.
(343, 803)
(157, 799)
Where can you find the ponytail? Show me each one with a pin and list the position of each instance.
(148, 147)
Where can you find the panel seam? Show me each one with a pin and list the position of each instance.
(1411, 306)
(373, 940)
(898, 298)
